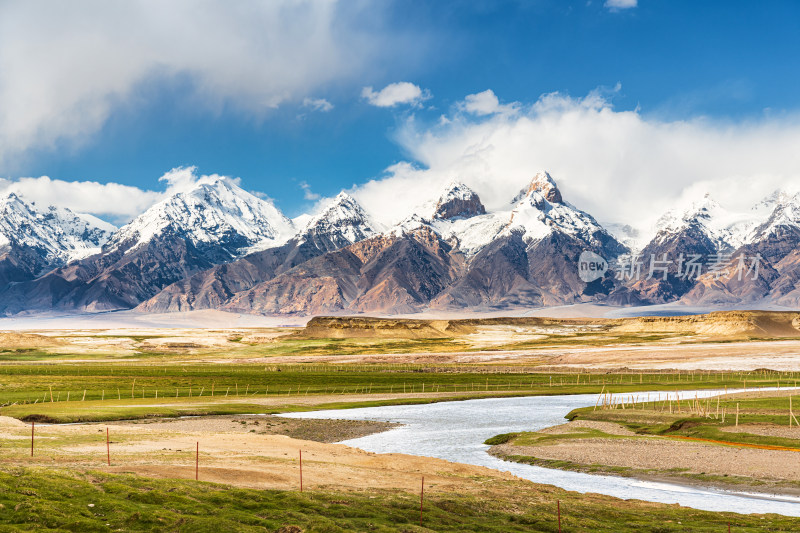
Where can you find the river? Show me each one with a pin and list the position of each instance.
(455, 431)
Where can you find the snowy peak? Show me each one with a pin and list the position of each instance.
(215, 211)
(784, 212)
(57, 233)
(725, 229)
(343, 222)
(543, 185)
(458, 201)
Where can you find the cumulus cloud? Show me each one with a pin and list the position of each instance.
(616, 5)
(317, 104)
(485, 103)
(66, 66)
(620, 166)
(394, 94)
(113, 201)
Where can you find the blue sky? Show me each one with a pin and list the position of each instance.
(721, 64)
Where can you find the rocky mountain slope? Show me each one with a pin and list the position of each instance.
(190, 231)
(215, 245)
(460, 256)
(683, 238)
(34, 240)
(341, 223)
(765, 268)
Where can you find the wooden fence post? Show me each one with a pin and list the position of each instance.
(558, 503)
(421, 499)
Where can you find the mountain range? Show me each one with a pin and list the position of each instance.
(217, 246)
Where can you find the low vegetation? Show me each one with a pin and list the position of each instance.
(101, 392)
(62, 500)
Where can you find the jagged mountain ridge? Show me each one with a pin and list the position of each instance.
(215, 214)
(217, 246)
(341, 223)
(34, 240)
(459, 256)
(769, 231)
(210, 223)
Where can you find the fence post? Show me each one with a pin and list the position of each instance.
(108, 447)
(197, 463)
(558, 503)
(421, 499)
(301, 470)
(33, 425)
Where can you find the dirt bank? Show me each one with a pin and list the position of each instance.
(663, 458)
(231, 453)
(296, 428)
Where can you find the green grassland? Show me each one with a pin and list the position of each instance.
(69, 392)
(654, 418)
(61, 500)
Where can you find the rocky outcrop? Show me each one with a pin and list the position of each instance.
(458, 201)
(543, 184)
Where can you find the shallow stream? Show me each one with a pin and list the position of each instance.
(456, 431)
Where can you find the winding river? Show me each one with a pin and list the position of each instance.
(455, 431)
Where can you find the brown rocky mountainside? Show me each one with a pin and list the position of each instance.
(341, 223)
(777, 275)
(386, 273)
(116, 280)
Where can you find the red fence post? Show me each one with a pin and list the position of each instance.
(559, 515)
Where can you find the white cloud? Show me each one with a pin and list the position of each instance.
(616, 5)
(394, 94)
(67, 66)
(308, 194)
(317, 104)
(485, 103)
(113, 201)
(617, 165)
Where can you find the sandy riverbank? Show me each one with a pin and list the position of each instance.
(245, 455)
(654, 458)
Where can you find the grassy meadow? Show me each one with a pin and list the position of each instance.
(33, 499)
(70, 392)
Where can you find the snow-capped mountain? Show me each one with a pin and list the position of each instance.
(539, 210)
(726, 229)
(782, 211)
(217, 246)
(57, 234)
(215, 213)
(457, 215)
(458, 201)
(341, 223)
